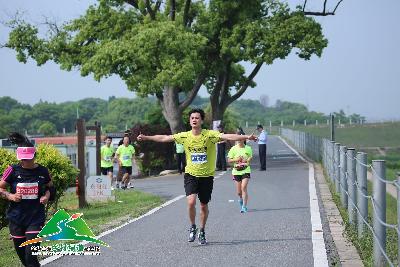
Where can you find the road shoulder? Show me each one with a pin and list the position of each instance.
(341, 252)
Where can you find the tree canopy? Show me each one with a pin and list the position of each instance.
(163, 48)
(117, 114)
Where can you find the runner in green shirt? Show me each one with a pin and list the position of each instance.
(180, 157)
(107, 154)
(199, 145)
(125, 155)
(241, 155)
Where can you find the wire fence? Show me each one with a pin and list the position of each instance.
(348, 170)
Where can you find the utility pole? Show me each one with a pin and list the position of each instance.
(332, 127)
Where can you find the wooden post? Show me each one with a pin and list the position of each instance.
(98, 144)
(97, 128)
(81, 131)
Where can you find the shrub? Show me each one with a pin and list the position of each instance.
(157, 156)
(6, 158)
(62, 172)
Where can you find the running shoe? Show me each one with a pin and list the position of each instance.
(243, 210)
(240, 202)
(192, 234)
(202, 238)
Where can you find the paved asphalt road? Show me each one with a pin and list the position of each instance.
(275, 232)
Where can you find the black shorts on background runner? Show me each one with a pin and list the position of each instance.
(126, 169)
(202, 186)
(105, 171)
(239, 178)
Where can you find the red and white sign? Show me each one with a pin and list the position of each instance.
(28, 190)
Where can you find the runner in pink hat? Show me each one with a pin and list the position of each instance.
(30, 188)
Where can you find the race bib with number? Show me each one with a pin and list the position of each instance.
(126, 157)
(107, 158)
(199, 158)
(28, 190)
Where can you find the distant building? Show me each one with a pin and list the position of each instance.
(68, 145)
(63, 140)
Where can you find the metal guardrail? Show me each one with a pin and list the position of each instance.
(348, 172)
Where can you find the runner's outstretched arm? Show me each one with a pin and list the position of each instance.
(155, 138)
(237, 137)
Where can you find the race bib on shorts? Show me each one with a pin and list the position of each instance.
(126, 157)
(198, 158)
(28, 190)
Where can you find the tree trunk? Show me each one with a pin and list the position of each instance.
(171, 110)
(220, 98)
(217, 111)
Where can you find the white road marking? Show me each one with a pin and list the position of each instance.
(319, 250)
(317, 235)
(55, 257)
(291, 148)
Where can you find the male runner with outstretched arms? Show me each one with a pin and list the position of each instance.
(200, 153)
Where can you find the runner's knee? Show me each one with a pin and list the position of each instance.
(191, 202)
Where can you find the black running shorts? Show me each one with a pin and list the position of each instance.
(126, 169)
(202, 186)
(105, 171)
(239, 178)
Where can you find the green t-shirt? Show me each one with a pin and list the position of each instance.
(125, 154)
(106, 156)
(237, 151)
(200, 151)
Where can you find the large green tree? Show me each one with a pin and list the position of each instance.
(149, 45)
(257, 32)
(166, 48)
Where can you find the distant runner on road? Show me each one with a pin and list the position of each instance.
(241, 155)
(125, 155)
(107, 155)
(200, 153)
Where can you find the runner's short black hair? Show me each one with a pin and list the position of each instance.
(259, 126)
(108, 137)
(197, 110)
(19, 140)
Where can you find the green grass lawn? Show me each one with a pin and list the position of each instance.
(99, 217)
(379, 141)
(360, 136)
(392, 158)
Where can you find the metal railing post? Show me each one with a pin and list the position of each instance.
(379, 198)
(337, 167)
(332, 160)
(351, 170)
(362, 202)
(343, 180)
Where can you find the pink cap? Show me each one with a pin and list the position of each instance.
(25, 152)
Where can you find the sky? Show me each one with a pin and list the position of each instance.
(358, 72)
